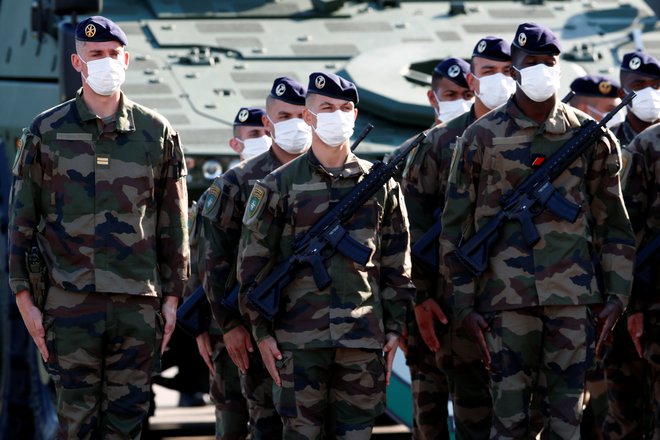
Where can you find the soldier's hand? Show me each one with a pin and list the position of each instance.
(168, 309)
(270, 353)
(636, 330)
(205, 349)
(392, 342)
(237, 341)
(476, 325)
(425, 314)
(33, 320)
(608, 317)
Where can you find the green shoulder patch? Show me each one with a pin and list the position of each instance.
(212, 202)
(255, 203)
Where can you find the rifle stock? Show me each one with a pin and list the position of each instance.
(425, 251)
(194, 315)
(535, 194)
(324, 238)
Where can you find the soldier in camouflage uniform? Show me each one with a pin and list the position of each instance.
(642, 196)
(223, 215)
(424, 185)
(627, 393)
(596, 96)
(100, 185)
(529, 311)
(325, 348)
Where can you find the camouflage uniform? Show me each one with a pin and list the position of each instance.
(231, 411)
(107, 203)
(642, 195)
(331, 340)
(424, 187)
(223, 214)
(536, 303)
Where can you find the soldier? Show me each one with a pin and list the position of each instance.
(325, 349)
(627, 393)
(449, 94)
(250, 138)
(529, 310)
(223, 214)
(597, 95)
(643, 202)
(100, 186)
(424, 185)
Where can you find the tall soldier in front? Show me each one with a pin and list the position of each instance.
(424, 185)
(100, 183)
(529, 309)
(222, 220)
(325, 348)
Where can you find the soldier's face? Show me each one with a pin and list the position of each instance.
(279, 111)
(595, 106)
(522, 60)
(444, 89)
(482, 67)
(631, 81)
(242, 133)
(316, 104)
(96, 51)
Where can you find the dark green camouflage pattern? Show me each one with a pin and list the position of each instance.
(363, 302)
(112, 198)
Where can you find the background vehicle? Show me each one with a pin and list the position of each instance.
(198, 61)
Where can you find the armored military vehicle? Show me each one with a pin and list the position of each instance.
(198, 61)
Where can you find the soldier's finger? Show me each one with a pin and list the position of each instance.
(638, 347)
(244, 360)
(41, 345)
(166, 340)
(601, 338)
(430, 339)
(484, 349)
(389, 357)
(248, 345)
(437, 311)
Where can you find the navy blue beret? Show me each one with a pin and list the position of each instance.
(595, 85)
(97, 29)
(642, 63)
(537, 39)
(288, 90)
(455, 69)
(334, 86)
(492, 48)
(249, 117)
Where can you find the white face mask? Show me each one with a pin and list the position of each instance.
(539, 82)
(646, 104)
(105, 76)
(293, 135)
(334, 128)
(452, 109)
(255, 146)
(495, 89)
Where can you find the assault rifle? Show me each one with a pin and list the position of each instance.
(327, 236)
(230, 301)
(37, 276)
(645, 271)
(535, 194)
(194, 315)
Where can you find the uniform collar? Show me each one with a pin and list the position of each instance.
(124, 120)
(352, 167)
(559, 120)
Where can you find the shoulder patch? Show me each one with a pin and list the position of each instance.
(255, 203)
(212, 202)
(23, 158)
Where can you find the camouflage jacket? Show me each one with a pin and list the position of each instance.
(223, 221)
(494, 155)
(363, 303)
(642, 195)
(424, 185)
(625, 134)
(108, 202)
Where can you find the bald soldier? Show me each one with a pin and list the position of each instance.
(222, 224)
(100, 188)
(330, 350)
(530, 309)
(424, 185)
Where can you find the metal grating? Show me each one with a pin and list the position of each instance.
(536, 13)
(177, 119)
(448, 36)
(215, 27)
(204, 136)
(140, 89)
(233, 42)
(161, 103)
(255, 93)
(490, 29)
(256, 77)
(328, 50)
(369, 26)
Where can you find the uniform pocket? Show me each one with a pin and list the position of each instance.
(284, 396)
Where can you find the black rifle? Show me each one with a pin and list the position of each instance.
(535, 194)
(194, 315)
(425, 251)
(230, 301)
(649, 253)
(327, 236)
(37, 276)
(566, 99)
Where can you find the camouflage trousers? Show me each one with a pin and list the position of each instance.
(651, 343)
(627, 396)
(103, 349)
(231, 409)
(430, 389)
(545, 350)
(257, 388)
(596, 406)
(330, 393)
(468, 384)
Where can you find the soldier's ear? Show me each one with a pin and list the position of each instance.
(235, 145)
(76, 62)
(308, 117)
(431, 97)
